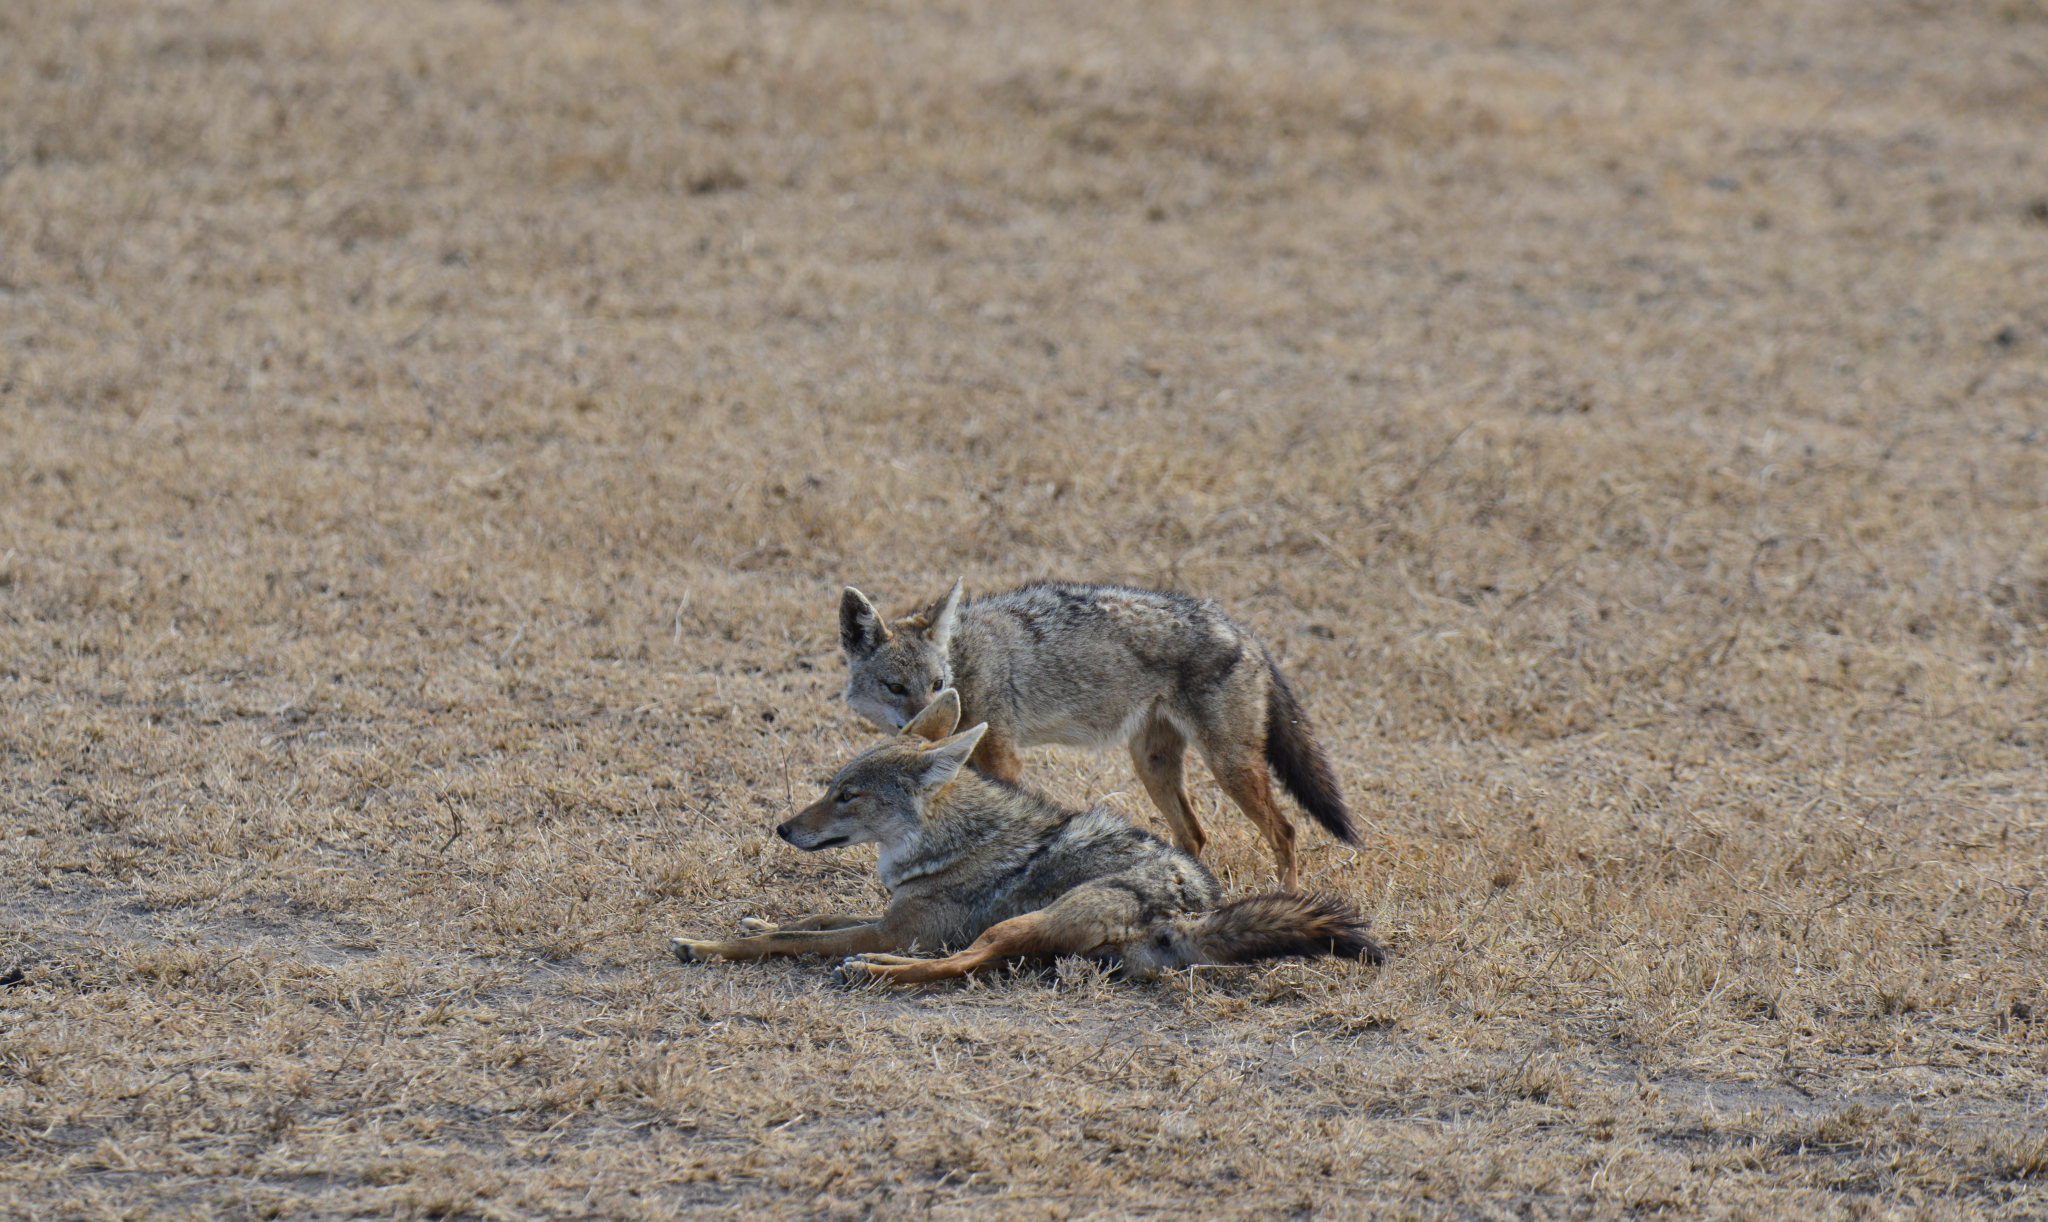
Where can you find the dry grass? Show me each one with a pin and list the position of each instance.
(433, 438)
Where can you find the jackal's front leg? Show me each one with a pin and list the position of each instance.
(996, 754)
(755, 925)
(849, 940)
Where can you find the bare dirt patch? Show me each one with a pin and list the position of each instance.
(433, 439)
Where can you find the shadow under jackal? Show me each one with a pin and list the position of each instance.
(1002, 873)
(1095, 665)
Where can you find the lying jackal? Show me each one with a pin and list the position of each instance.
(1008, 874)
(1095, 665)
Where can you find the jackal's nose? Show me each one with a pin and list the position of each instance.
(783, 831)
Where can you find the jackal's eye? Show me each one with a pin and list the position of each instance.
(897, 689)
(844, 796)
(937, 684)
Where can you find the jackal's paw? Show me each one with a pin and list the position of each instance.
(754, 925)
(855, 972)
(689, 951)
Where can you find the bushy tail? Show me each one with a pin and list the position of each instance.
(1298, 760)
(1281, 923)
(1270, 926)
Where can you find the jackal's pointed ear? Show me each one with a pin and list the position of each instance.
(942, 615)
(943, 760)
(939, 717)
(861, 630)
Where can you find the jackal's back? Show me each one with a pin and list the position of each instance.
(991, 851)
(1075, 663)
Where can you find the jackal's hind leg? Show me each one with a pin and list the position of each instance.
(1241, 770)
(1092, 915)
(1160, 753)
(1017, 938)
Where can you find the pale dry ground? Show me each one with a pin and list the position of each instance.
(434, 437)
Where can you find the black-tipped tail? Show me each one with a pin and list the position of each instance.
(1279, 924)
(1298, 760)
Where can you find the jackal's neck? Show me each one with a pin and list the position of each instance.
(936, 842)
(958, 809)
(975, 806)
(974, 658)
(959, 817)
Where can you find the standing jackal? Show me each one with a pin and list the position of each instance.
(1008, 874)
(1096, 665)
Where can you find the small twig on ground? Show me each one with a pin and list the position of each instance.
(681, 605)
(455, 818)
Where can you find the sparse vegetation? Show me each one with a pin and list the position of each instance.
(433, 439)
